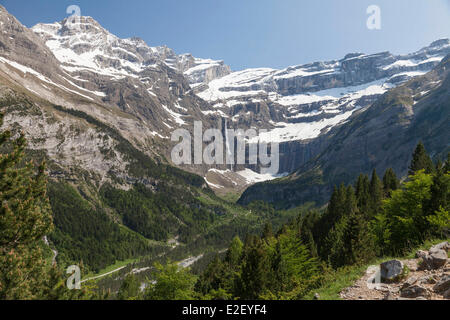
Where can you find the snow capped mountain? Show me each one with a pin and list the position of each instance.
(134, 88)
(201, 71)
(379, 137)
(152, 83)
(303, 101)
(296, 104)
(147, 92)
(84, 45)
(310, 99)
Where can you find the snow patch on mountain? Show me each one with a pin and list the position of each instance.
(253, 177)
(285, 132)
(175, 116)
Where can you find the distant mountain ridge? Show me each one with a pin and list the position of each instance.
(86, 45)
(378, 137)
(147, 92)
(297, 104)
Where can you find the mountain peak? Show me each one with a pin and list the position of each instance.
(77, 27)
(353, 55)
(440, 43)
(8, 21)
(83, 24)
(83, 44)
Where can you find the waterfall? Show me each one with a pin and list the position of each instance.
(227, 146)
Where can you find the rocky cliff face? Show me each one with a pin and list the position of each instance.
(147, 92)
(299, 105)
(139, 90)
(201, 71)
(380, 136)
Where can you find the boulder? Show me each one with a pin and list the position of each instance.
(383, 287)
(443, 285)
(421, 254)
(409, 282)
(391, 270)
(435, 259)
(438, 258)
(441, 246)
(447, 294)
(415, 291)
(411, 264)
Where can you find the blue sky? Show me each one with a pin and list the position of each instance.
(258, 33)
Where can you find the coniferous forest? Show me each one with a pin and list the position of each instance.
(375, 217)
(267, 165)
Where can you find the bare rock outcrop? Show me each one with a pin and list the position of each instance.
(427, 277)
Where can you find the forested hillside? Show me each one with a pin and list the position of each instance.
(362, 223)
(95, 225)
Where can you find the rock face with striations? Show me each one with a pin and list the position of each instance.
(298, 104)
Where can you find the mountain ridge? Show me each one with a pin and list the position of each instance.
(147, 92)
(379, 137)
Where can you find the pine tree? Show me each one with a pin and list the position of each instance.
(234, 252)
(214, 278)
(447, 164)
(421, 160)
(376, 194)
(255, 271)
(25, 218)
(350, 238)
(363, 193)
(440, 193)
(339, 240)
(335, 211)
(390, 182)
(279, 270)
(352, 228)
(307, 225)
(129, 289)
(267, 231)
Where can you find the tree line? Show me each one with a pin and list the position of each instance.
(372, 218)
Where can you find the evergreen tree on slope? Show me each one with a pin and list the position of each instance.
(421, 161)
(25, 218)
